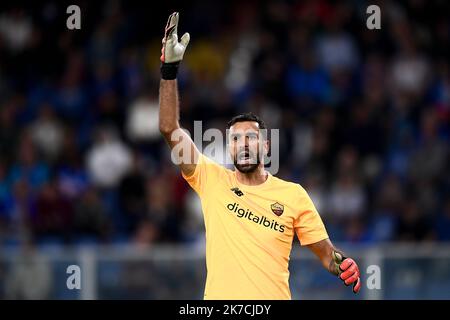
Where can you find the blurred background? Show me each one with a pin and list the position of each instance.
(86, 178)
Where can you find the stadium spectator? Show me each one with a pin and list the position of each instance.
(47, 133)
(53, 213)
(108, 159)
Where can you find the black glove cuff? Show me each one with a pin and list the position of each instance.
(169, 71)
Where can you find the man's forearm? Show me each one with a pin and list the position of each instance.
(169, 112)
(332, 268)
(328, 261)
(324, 250)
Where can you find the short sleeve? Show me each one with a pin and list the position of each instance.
(206, 171)
(308, 225)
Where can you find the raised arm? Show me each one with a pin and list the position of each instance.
(184, 151)
(336, 263)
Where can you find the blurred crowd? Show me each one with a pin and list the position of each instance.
(363, 115)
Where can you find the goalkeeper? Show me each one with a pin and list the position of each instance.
(251, 216)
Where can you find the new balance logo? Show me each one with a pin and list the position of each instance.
(238, 192)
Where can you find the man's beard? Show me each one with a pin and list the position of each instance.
(247, 167)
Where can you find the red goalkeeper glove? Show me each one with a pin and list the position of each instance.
(347, 271)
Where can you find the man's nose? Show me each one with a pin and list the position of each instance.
(244, 143)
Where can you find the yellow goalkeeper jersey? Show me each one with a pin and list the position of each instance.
(249, 232)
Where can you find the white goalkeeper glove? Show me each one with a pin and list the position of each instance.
(172, 51)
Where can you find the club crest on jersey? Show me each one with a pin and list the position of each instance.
(277, 208)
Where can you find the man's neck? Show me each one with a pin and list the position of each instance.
(254, 178)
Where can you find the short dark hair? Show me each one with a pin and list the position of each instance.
(249, 116)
